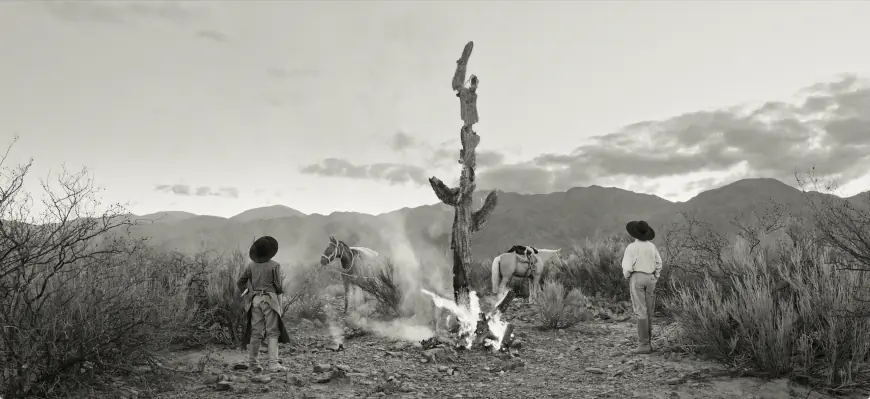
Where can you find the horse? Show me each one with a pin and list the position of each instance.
(352, 258)
(524, 262)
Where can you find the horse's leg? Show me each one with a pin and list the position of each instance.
(346, 291)
(502, 286)
(535, 285)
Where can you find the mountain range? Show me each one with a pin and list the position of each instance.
(555, 220)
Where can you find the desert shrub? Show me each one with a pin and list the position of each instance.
(383, 285)
(80, 298)
(479, 276)
(304, 293)
(789, 311)
(560, 307)
(594, 268)
(223, 301)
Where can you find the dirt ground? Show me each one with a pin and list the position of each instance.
(591, 360)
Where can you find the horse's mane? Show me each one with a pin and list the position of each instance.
(364, 250)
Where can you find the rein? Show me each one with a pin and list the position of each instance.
(337, 253)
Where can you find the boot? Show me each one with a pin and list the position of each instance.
(643, 341)
(253, 354)
(274, 366)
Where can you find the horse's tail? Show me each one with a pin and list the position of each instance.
(496, 274)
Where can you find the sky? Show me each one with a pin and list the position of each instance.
(215, 107)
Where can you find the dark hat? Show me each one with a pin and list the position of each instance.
(263, 249)
(640, 230)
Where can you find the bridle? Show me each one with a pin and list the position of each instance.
(337, 252)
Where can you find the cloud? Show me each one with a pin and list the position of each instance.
(489, 158)
(394, 173)
(178, 189)
(118, 13)
(828, 128)
(202, 191)
(283, 73)
(213, 35)
(431, 157)
(401, 141)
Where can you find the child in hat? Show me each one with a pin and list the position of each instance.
(642, 266)
(264, 280)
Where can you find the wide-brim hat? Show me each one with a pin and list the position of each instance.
(263, 249)
(640, 230)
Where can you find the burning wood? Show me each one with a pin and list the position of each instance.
(489, 330)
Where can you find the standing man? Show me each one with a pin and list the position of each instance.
(642, 266)
(263, 303)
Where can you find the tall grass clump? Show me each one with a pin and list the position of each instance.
(305, 292)
(595, 268)
(383, 285)
(479, 277)
(561, 307)
(788, 311)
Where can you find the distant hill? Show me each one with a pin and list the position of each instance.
(166, 216)
(555, 220)
(267, 212)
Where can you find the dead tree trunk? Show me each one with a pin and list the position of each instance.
(465, 222)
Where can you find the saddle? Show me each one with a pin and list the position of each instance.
(526, 254)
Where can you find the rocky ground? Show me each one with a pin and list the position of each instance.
(591, 360)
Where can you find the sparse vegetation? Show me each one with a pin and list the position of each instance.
(382, 284)
(560, 307)
(784, 295)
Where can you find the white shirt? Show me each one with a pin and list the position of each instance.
(641, 256)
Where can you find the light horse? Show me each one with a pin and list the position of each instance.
(352, 259)
(524, 262)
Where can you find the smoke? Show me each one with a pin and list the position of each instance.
(423, 267)
(335, 331)
(404, 329)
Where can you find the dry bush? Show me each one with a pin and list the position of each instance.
(478, 275)
(594, 268)
(382, 284)
(223, 300)
(80, 300)
(807, 327)
(785, 297)
(304, 293)
(560, 307)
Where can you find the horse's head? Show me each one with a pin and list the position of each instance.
(551, 255)
(331, 252)
(560, 258)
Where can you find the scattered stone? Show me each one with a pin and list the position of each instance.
(674, 381)
(322, 368)
(261, 379)
(240, 366)
(594, 370)
(295, 380)
(224, 386)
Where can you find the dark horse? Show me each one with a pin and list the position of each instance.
(352, 259)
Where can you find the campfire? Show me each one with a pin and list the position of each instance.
(476, 328)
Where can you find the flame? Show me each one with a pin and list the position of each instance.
(467, 317)
(497, 326)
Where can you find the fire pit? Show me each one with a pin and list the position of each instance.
(488, 331)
